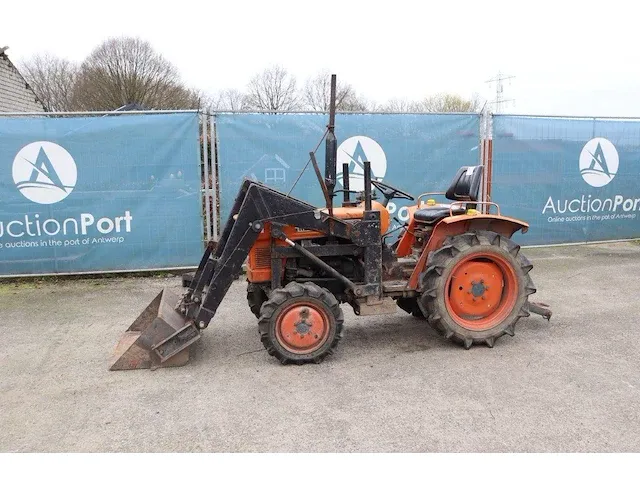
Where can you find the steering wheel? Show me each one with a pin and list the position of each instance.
(389, 192)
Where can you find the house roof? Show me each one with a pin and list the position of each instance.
(18, 81)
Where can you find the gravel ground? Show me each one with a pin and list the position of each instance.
(568, 385)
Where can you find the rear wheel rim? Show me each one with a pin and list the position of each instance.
(302, 328)
(481, 291)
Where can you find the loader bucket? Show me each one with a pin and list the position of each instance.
(159, 337)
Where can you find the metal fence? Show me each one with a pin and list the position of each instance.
(414, 152)
(99, 192)
(574, 179)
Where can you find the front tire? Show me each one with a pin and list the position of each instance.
(300, 323)
(256, 296)
(476, 288)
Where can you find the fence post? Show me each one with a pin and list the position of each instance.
(214, 177)
(486, 147)
(481, 134)
(205, 159)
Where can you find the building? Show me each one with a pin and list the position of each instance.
(15, 93)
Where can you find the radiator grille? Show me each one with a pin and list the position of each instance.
(263, 257)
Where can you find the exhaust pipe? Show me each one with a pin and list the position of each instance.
(159, 337)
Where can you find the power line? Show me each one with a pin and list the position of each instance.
(499, 81)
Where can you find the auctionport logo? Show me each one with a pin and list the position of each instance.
(599, 162)
(354, 151)
(44, 172)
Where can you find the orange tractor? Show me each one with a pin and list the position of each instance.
(454, 264)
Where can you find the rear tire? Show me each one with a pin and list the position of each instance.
(476, 288)
(300, 323)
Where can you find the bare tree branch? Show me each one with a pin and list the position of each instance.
(127, 70)
(317, 95)
(53, 80)
(440, 103)
(447, 102)
(403, 105)
(272, 89)
(229, 99)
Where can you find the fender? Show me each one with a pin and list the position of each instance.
(455, 225)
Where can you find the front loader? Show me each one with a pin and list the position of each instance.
(455, 265)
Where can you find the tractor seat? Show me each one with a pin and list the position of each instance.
(435, 213)
(464, 188)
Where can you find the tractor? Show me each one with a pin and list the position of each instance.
(454, 264)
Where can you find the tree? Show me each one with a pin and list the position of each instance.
(317, 95)
(440, 103)
(403, 105)
(230, 99)
(128, 70)
(355, 103)
(53, 80)
(272, 89)
(447, 102)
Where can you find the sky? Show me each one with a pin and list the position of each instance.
(567, 58)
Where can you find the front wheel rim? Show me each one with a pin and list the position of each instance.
(302, 328)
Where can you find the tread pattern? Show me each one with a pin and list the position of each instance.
(269, 314)
(432, 282)
(256, 296)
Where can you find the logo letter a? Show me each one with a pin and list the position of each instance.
(43, 166)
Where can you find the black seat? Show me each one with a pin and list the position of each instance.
(464, 188)
(433, 214)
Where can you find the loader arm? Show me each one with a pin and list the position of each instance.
(255, 205)
(162, 334)
(164, 331)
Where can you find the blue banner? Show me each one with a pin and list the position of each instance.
(572, 180)
(415, 153)
(90, 194)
